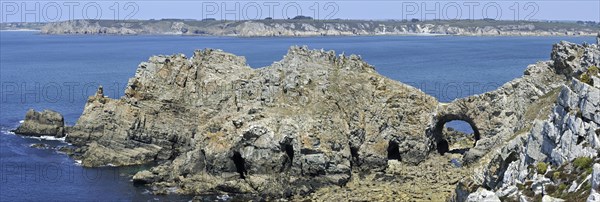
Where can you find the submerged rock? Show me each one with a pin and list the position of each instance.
(40, 146)
(45, 123)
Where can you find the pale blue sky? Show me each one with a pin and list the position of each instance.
(18, 11)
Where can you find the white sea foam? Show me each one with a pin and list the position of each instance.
(21, 121)
(172, 190)
(6, 131)
(62, 139)
(224, 197)
(78, 162)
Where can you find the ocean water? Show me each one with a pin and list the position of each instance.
(60, 72)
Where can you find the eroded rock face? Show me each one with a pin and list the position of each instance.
(45, 123)
(214, 123)
(497, 115)
(564, 129)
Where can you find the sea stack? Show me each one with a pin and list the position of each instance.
(45, 123)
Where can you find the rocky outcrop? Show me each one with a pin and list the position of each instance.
(216, 124)
(45, 123)
(496, 115)
(548, 155)
(252, 28)
(314, 119)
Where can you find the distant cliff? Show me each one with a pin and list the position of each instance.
(21, 26)
(319, 28)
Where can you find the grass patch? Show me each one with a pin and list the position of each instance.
(586, 77)
(556, 176)
(541, 168)
(561, 188)
(539, 109)
(583, 163)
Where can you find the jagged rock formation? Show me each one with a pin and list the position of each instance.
(495, 116)
(564, 129)
(252, 28)
(45, 123)
(217, 124)
(315, 119)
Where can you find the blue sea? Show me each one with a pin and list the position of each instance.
(60, 72)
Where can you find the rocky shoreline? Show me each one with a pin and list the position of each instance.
(297, 28)
(322, 126)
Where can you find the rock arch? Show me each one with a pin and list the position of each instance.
(436, 132)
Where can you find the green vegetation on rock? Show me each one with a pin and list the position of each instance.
(542, 167)
(586, 77)
(583, 162)
(556, 175)
(593, 70)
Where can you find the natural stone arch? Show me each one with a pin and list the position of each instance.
(436, 132)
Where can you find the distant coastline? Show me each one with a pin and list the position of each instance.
(309, 27)
(20, 30)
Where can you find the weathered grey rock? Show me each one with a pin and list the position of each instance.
(595, 179)
(539, 183)
(547, 198)
(572, 59)
(483, 195)
(570, 131)
(45, 123)
(573, 187)
(555, 127)
(523, 198)
(596, 81)
(144, 177)
(508, 191)
(594, 197)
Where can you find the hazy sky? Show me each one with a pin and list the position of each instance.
(18, 11)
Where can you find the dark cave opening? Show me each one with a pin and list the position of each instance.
(240, 164)
(580, 139)
(354, 152)
(393, 151)
(442, 146)
(289, 151)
